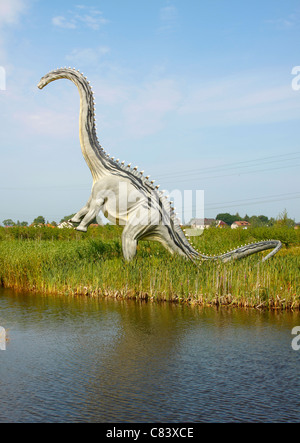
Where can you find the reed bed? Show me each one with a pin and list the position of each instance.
(57, 261)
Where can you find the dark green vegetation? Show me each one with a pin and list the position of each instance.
(258, 220)
(65, 261)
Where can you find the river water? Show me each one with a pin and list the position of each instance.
(95, 360)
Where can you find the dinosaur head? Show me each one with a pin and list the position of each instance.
(50, 77)
(42, 83)
(67, 73)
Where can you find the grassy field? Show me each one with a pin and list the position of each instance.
(65, 261)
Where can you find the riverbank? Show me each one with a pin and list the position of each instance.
(58, 261)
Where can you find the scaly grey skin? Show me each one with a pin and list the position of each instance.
(128, 198)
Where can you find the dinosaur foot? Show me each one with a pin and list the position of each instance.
(81, 229)
(73, 220)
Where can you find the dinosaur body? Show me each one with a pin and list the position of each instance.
(128, 198)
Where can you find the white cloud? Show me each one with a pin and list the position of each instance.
(168, 13)
(10, 11)
(89, 17)
(42, 121)
(111, 94)
(93, 20)
(87, 56)
(285, 23)
(282, 23)
(148, 106)
(241, 100)
(168, 16)
(62, 22)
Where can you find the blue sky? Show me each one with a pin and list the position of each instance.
(198, 94)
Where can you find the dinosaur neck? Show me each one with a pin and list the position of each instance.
(91, 149)
(90, 146)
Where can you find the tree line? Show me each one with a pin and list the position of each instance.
(255, 220)
(258, 220)
(40, 220)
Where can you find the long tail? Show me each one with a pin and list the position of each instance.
(185, 247)
(246, 250)
(241, 252)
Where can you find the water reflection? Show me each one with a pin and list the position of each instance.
(82, 359)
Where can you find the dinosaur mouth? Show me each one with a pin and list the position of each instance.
(41, 85)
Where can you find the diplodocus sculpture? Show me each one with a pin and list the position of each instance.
(127, 197)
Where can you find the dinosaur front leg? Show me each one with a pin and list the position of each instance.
(93, 211)
(80, 214)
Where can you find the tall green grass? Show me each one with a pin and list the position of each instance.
(68, 262)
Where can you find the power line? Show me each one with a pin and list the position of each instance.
(182, 180)
(207, 177)
(251, 203)
(289, 194)
(38, 188)
(234, 165)
(186, 175)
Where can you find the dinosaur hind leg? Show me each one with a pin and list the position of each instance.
(130, 235)
(129, 246)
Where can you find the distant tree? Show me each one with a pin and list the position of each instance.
(272, 221)
(228, 218)
(260, 220)
(254, 221)
(284, 220)
(264, 219)
(66, 218)
(40, 220)
(23, 223)
(53, 223)
(9, 222)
